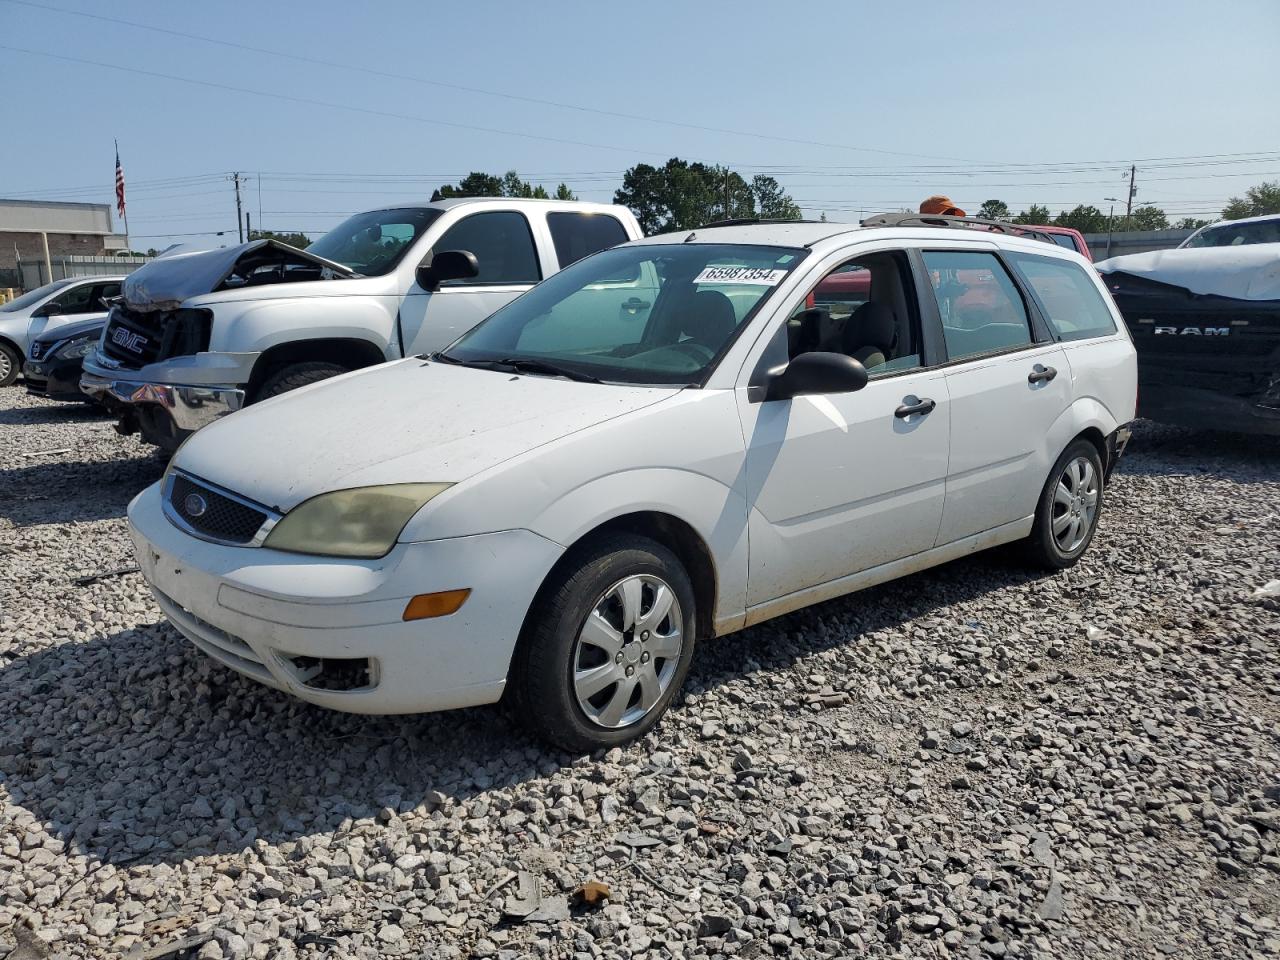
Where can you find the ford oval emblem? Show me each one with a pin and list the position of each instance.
(195, 505)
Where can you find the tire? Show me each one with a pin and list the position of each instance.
(296, 375)
(559, 641)
(1074, 492)
(10, 365)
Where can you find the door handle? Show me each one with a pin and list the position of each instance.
(910, 409)
(1041, 373)
(635, 304)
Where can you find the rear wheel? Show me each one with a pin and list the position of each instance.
(297, 375)
(10, 364)
(606, 646)
(1069, 507)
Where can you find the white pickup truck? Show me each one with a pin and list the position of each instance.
(199, 335)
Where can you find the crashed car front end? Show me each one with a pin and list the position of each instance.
(153, 366)
(1206, 325)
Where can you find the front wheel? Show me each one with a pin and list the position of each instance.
(297, 375)
(1069, 507)
(10, 364)
(606, 646)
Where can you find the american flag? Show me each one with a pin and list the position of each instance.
(119, 183)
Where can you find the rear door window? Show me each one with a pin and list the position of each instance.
(980, 306)
(578, 235)
(1068, 298)
(502, 244)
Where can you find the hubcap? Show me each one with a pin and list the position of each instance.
(627, 651)
(6, 366)
(1075, 504)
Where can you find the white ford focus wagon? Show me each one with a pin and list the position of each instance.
(668, 441)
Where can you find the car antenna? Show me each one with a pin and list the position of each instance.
(692, 234)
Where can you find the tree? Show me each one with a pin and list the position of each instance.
(1146, 217)
(1190, 223)
(474, 184)
(477, 184)
(683, 196)
(299, 240)
(994, 210)
(772, 202)
(1033, 215)
(1086, 219)
(1256, 202)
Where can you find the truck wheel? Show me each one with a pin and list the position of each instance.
(1069, 508)
(10, 365)
(296, 375)
(605, 647)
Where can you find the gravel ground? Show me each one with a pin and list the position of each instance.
(975, 761)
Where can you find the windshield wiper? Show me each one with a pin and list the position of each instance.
(517, 365)
(531, 365)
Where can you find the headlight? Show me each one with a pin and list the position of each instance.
(363, 522)
(75, 348)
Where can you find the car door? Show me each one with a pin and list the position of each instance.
(1006, 393)
(840, 483)
(81, 301)
(509, 265)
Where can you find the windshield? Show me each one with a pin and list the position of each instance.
(36, 295)
(1236, 234)
(640, 314)
(372, 243)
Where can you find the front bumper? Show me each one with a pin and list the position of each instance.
(258, 611)
(55, 379)
(189, 407)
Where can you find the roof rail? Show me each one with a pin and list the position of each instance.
(940, 220)
(744, 221)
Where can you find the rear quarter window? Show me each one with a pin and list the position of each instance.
(578, 235)
(1070, 301)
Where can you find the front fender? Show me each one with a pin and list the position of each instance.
(258, 326)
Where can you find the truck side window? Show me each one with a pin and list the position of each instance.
(578, 235)
(502, 243)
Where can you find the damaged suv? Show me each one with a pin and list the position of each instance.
(197, 335)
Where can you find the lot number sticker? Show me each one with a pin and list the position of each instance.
(759, 276)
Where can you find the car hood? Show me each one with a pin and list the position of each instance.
(68, 330)
(164, 283)
(410, 421)
(1249, 272)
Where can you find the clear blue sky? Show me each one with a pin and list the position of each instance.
(987, 94)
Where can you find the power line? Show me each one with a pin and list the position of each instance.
(327, 104)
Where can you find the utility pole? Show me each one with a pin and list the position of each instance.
(1128, 209)
(237, 179)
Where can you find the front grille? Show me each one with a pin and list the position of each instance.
(136, 339)
(213, 514)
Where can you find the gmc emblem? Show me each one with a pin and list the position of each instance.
(1194, 331)
(133, 342)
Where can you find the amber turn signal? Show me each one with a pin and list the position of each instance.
(427, 605)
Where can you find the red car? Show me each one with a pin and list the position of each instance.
(1069, 238)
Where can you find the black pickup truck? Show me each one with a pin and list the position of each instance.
(1206, 325)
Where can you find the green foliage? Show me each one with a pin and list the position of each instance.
(299, 240)
(1256, 202)
(1086, 219)
(1034, 215)
(1190, 223)
(994, 210)
(1147, 217)
(476, 184)
(683, 196)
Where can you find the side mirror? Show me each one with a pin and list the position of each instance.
(447, 265)
(48, 310)
(816, 372)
